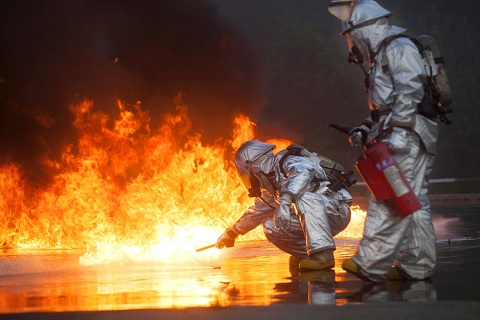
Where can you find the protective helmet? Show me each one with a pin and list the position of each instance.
(255, 161)
(357, 13)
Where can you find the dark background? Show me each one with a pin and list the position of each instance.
(280, 62)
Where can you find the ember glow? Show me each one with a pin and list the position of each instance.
(131, 192)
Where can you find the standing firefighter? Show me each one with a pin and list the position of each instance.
(299, 212)
(395, 84)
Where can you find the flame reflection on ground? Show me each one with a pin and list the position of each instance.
(252, 273)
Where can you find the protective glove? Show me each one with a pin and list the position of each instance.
(282, 214)
(227, 239)
(398, 141)
(358, 136)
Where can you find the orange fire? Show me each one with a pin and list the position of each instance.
(131, 192)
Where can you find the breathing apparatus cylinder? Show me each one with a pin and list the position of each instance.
(385, 180)
(433, 57)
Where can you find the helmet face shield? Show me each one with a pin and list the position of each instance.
(252, 160)
(341, 9)
(250, 182)
(255, 182)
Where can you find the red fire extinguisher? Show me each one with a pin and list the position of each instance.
(386, 182)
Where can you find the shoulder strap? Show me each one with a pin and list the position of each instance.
(291, 151)
(295, 150)
(334, 171)
(426, 107)
(387, 41)
(373, 55)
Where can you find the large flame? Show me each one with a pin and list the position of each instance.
(130, 192)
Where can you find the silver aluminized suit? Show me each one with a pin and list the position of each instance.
(320, 216)
(394, 93)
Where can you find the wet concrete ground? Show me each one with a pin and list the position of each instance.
(250, 275)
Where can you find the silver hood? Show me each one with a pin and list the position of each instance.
(358, 13)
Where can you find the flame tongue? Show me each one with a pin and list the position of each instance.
(127, 193)
(130, 193)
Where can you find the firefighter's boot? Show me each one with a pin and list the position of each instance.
(318, 261)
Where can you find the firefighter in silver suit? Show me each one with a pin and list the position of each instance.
(300, 215)
(392, 247)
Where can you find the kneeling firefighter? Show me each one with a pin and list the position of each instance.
(299, 212)
(397, 95)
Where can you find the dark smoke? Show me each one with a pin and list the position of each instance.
(55, 52)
